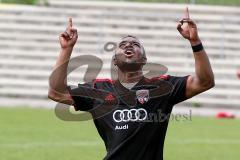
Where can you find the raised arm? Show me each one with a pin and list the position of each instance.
(203, 78)
(57, 81)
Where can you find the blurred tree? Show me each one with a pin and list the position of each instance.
(20, 1)
(39, 2)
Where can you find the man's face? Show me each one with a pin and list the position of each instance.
(129, 54)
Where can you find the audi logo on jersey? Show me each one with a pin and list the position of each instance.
(127, 115)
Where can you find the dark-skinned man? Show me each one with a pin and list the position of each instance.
(126, 130)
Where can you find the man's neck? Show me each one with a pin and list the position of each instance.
(129, 77)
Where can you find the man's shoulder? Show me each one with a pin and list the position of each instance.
(101, 81)
(168, 78)
(96, 82)
(161, 78)
(174, 80)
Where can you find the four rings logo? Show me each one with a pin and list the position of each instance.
(127, 115)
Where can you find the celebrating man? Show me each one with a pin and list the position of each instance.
(127, 129)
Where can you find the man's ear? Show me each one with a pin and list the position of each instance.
(144, 60)
(114, 59)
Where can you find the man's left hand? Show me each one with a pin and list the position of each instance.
(188, 29)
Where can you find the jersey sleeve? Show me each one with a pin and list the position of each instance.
(81, 103)
(178, 93)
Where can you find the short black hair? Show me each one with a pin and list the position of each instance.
(130, 36)
(143, 50)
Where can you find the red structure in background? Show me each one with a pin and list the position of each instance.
(238, 74)
(225, 115)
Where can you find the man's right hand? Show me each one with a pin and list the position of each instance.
(68, 38)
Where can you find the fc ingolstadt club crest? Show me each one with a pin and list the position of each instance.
(142, 95)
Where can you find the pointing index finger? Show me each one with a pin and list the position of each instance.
(70, 22)
(186, 14)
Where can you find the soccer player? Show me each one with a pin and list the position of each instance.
(127, 130)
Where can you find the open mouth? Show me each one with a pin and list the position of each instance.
(129, 53)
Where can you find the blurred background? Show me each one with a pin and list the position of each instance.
(29, 31)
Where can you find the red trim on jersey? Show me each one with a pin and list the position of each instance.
(164, 77)
(102, 80)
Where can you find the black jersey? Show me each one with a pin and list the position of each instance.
(134, 126)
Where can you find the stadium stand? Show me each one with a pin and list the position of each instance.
(29, 44)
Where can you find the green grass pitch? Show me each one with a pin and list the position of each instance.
(37, 134)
